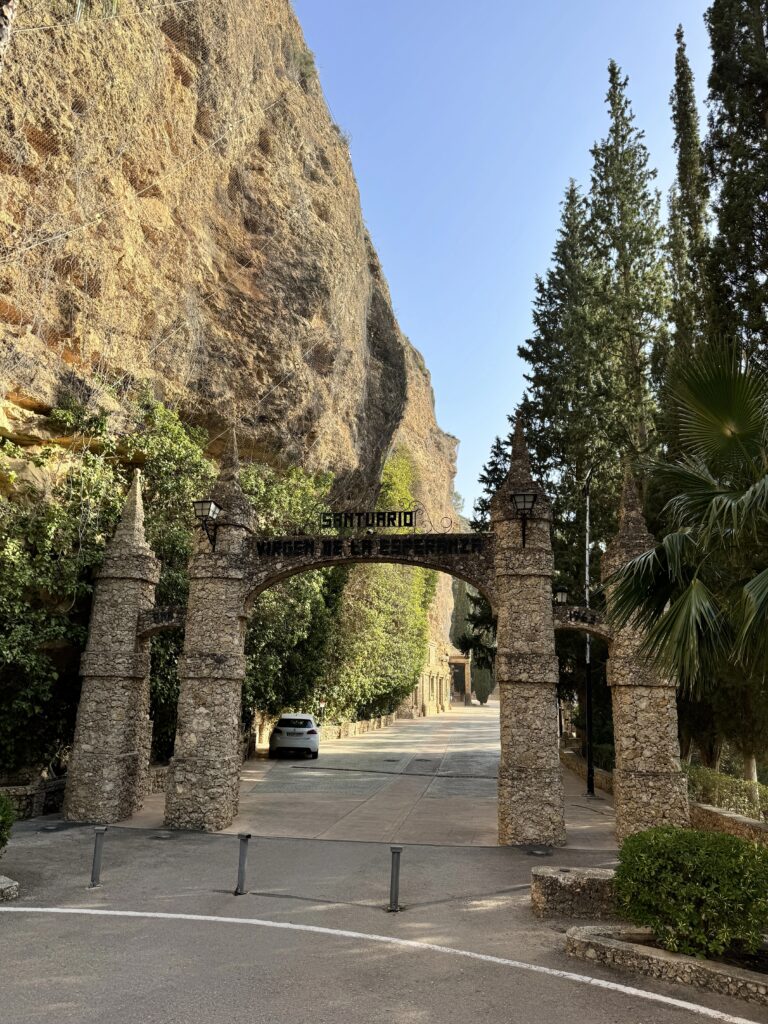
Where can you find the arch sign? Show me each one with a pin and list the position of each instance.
(511, 565)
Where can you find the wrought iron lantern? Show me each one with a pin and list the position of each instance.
(523, 502)
(561, 595)
(206, 513)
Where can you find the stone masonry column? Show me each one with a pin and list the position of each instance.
(648, 786)
(530, 776)
(110, 755)
(202, 787)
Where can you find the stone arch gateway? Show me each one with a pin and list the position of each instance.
(512, 565)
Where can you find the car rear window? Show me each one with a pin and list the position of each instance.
(295, 723)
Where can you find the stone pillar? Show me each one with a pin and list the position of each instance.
(530, 779)
(110, 754)
(202, 786)
(648, 786)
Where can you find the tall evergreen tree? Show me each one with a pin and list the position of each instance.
(568, 402)
(475, 634)
(493, 472)
(628, 240)
(688, 212)
(687, 248)
(737, 154)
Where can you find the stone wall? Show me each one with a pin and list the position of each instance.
(573, 892)
(43, 796)
(575, 763)
(432, 693)
(632, 949)
(714, 819)
(263, 725)
(702, 816)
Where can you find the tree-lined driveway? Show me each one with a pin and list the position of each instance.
(428, 780)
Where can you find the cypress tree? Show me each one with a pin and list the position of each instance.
(475, 632)
(737, 155)
(688, 211)
(493, 472)
(687, 245)
(628, 240)
(567, 404)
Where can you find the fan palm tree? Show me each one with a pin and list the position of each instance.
(701, 594)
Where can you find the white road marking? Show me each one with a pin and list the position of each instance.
(582, 979)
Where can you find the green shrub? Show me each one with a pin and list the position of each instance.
(738, 795)
(701, 893)
(6, 820)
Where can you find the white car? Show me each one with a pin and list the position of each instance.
(295, 732)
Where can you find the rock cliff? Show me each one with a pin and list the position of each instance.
(178, 212)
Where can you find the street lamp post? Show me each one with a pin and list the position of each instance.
(206, 514)
(523, 502)
(588, 651)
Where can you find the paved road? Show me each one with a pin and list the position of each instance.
(429, 780)
(311, 942)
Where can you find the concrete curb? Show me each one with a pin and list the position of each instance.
(620, 947)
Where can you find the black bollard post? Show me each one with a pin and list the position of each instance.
(98, 847)
(242, 863)
(394, 880)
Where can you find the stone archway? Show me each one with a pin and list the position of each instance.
(649, 788)
(511, 565)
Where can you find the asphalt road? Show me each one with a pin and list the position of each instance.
(310, 941)
(429, 780)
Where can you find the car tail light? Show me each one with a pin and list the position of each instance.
(311, 732)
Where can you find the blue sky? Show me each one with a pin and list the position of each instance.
(466, 121)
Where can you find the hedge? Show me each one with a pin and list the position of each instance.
(6, 821)
(701, 893)
(738, 795)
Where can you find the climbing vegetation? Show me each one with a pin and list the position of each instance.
(377, 641)
(356, 636)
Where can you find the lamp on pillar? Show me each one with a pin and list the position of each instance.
(523, 502)
(206, 513)
(561, 595)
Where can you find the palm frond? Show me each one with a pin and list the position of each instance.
(718, 511)
(642, 588)
(693, 488)
(754, 504)
(689, 637)
(722, 407)
(680, 549)
(752, 640)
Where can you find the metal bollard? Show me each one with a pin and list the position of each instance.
(242, 863)
(98, 847)
(394, 880)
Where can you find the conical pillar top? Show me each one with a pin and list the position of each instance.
(520, 462)
(633, 536)
(129, 535)
(519, 479)
(227, 492)
(229, 467)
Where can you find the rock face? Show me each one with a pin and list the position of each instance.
(433, 454)
(178, 211)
